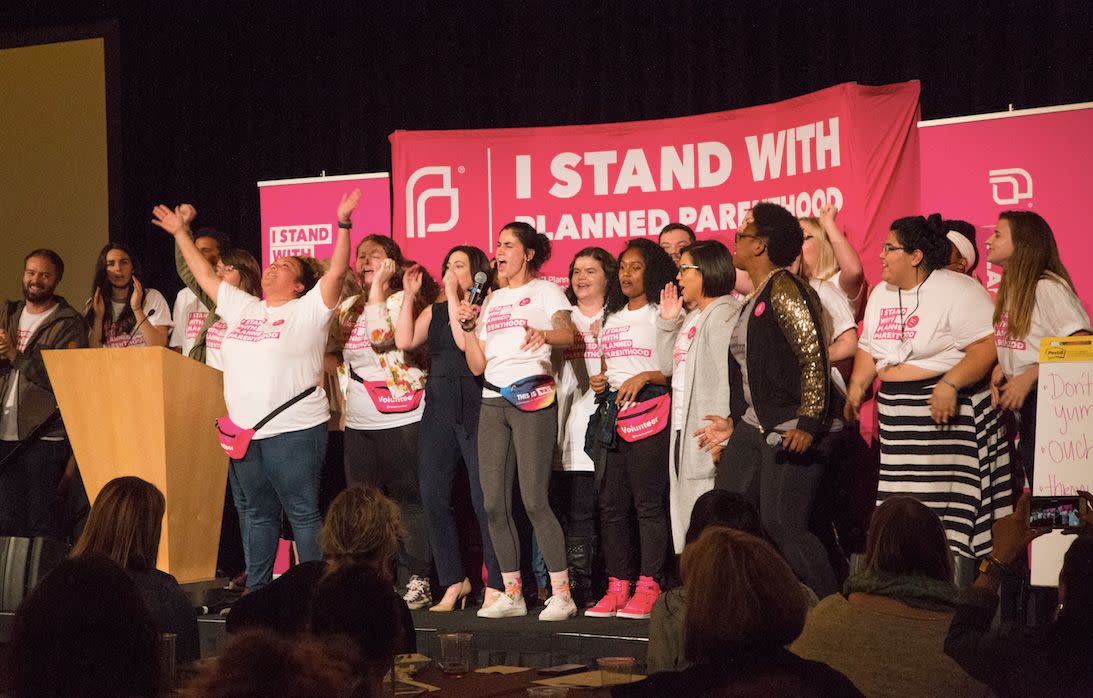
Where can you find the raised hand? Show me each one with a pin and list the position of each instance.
(411, 282)
(98, 305)
(827, 216)
(384, 273)
(451, 283)
(187, 212)
(173, 220)
(671, 303)
(136, 301)
(347, 205)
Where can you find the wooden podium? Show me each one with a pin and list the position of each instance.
(149, 412)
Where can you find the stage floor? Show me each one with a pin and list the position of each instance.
(525, 641)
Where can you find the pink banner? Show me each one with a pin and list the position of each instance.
(975, 167)
(853, 145)
(299, 216)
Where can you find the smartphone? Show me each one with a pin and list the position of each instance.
(1056, 512)
(563, 669)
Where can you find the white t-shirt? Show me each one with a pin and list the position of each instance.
(361, 412)
(156, 310)
(1057, 312)
(679, 366)
(838, 313)
(187, 319)
(502, 326)
(9, 417)
(936, 322)
(270, 355)
(629, 342)
(214, 338)
(576, 400)
(855, 303)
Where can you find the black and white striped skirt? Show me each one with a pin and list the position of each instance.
(961, 470)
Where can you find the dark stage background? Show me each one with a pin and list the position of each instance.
(216, 95)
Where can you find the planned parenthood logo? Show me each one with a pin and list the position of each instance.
(416, 225)
(1010, 186)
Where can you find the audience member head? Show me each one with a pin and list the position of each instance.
(262, 663)
(594, 276)
(724, 508)
(240, 269)
(42, 272)
(362, 527)
(211, 243)
(521, 252)
(705, 272)
(354, 602)
(914, 248)
(674, 237)
(741, 596)
(907, 538)
(291, 277)
(1076, 585)
(963, 255)
(83, 631)
(644, 270)
(817, 254)
(770, 237)
(464, 262)
(1024, 246)
(125, 524)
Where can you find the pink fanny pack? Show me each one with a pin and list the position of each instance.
(235, 440)
(644, 419)
(384, 400)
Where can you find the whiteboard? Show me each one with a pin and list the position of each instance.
(1064, 440)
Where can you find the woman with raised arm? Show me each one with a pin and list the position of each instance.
(509, 343)
(384, 400)
(927, 333)
(633, 418)
(273, 357)
(827, 255)
(449, 425)
(121, 312)
(693, 348)
(1035, 300)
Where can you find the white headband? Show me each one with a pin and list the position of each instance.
(964, 246)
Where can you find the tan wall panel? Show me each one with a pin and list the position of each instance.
(53, 170)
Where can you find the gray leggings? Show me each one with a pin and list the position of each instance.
(502, 426)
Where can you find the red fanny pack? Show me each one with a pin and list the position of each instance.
(384, 400)
(644, 419)
(235, 440)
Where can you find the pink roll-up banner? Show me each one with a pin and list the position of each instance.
(853, 145)
(975, 167)
(300, 216)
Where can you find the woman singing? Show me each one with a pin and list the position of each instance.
(449, 425)
(928, 334)
(273, 356)
(510, 346)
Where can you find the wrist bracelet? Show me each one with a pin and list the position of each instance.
(345, 225)
(949, 383)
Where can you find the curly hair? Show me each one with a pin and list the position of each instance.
(925, 235)
(613, 292)
(311, 270)
(781, 231)
(532, 240)
(660, 270)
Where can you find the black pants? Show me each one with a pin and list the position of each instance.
(573, 499)
(387, 460)
(783, 487)
(635, 478)
(29, 504)
(1027, 426)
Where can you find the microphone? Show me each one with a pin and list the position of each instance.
(136, 329)
(476, 296)
(774, 439)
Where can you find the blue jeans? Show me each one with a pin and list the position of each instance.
(278, 472)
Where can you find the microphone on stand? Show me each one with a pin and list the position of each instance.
(136, 329)
(476, 296)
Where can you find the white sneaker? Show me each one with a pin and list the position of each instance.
(418, 594)
(504, 607)
(558, 608)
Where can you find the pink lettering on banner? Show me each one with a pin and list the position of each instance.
(602, 184)
(892, 326)
(195, 322)
(250, 330)
(585, 346)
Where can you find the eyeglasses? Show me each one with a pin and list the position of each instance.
(224, 268)
(886, 248)
(690, 266)
(740, 236)
(809, 237)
